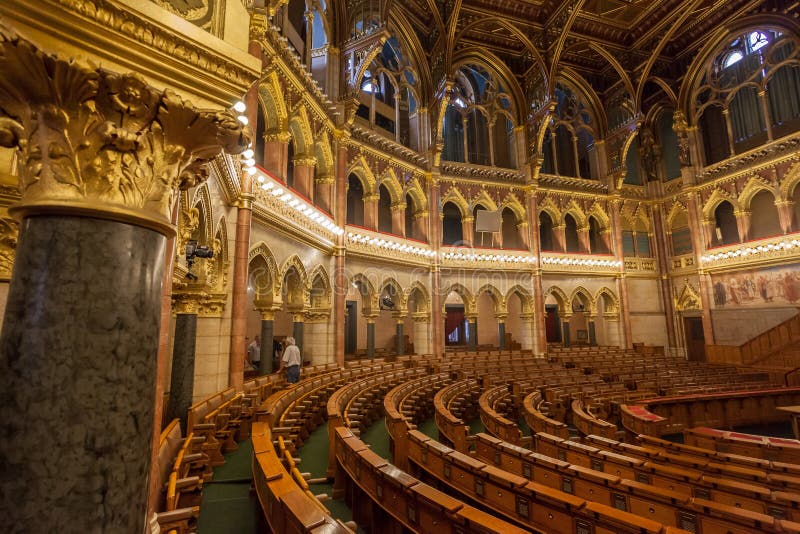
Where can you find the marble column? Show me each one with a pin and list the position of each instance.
(298, 322)
(241, 261)
(304, 167)
(540, 346)
(81, 330)
(400, 345)
(472, 338)
(370, 337)
(324, 193)
(743, 224)
(501, 335)
(399, 219)
(592, 333)
(468, 231)
(583, 240)
(565, 331)
(560, 238)
(785, 214)
(622, 286)
(340, 284)
(181, 386)
(267, 339)
(371, 211)
(526, 335)
(437, 299)
(276, 153)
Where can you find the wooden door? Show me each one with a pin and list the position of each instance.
(695, 339)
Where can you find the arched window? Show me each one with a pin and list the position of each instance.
(387, 101)
(477, 101)
(571, 234)
(572, 134)
(548, 160)
(384, 210)
(726, 231)
(597, 242)
(546, 232)
(764, 221)
(750, 88)
(635, 239)
(681, 235)
(668, 140)
(511, 238)
(565, 151)
(452, 232)
(715, 135)
(355, 201)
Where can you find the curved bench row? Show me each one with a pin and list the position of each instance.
(492, 404)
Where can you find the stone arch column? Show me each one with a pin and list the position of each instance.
(399, 219)
(318, 335)
(304, 168)
(785, 214)
(467, 230)
(422, 334)
(743, 224)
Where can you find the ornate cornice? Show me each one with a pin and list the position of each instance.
(467, 170)
(198, 302)
(102, 144)
(142, 36)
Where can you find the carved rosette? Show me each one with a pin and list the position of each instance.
(99, 143)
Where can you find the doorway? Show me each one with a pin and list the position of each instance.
(455, 330)
(552, 324)
(695, 339)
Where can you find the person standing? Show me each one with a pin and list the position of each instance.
(254, 353)
(292, 361)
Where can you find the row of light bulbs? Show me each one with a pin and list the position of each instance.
(581, 262)
(501, 258)
(249, 165)
(390, 245)
(748, 251)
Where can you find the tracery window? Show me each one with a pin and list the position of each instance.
(388, 97)
(749, 94)
(568, 147)
(478, 123)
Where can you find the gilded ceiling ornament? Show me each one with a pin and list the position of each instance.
(97, 142)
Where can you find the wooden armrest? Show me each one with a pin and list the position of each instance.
(198, 439)
(188, 482)
(181, 514)
(196, 457)
(204, 426)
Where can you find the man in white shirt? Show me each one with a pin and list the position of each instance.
(254, 353)
(292, 361)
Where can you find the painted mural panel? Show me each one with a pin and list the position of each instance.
(208, 14)
(757, 287)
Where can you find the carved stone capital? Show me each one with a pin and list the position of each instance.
(277, 137)
(304, 161)
(99, 143)
(199, 303)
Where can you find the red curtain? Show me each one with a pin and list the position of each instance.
(453, 320)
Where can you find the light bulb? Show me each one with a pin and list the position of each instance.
(244, 120)
(247, 154)
(240, 107)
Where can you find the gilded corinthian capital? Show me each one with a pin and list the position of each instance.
(99, 143)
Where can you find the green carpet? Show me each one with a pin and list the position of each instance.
(314, 456)
(229, 507)
(523, 427)
(476, 426)
(377, 438)
(429, 428)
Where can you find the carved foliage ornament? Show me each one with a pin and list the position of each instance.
(93, 141)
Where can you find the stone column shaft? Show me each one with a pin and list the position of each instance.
(102, 158)
(276, 155)
(565, 332)
(400, 341)
(267, 353)
(592, 334)
(370, 338)
(472, 338)
(181, 387)
(339, 274)
(501, 335)
(297, 334)
(241, 261)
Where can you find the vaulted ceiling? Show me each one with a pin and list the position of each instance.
(598, 39)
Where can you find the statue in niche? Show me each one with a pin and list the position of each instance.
(681, 128)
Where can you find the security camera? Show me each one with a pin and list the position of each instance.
(387, 302)
(193, 250)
